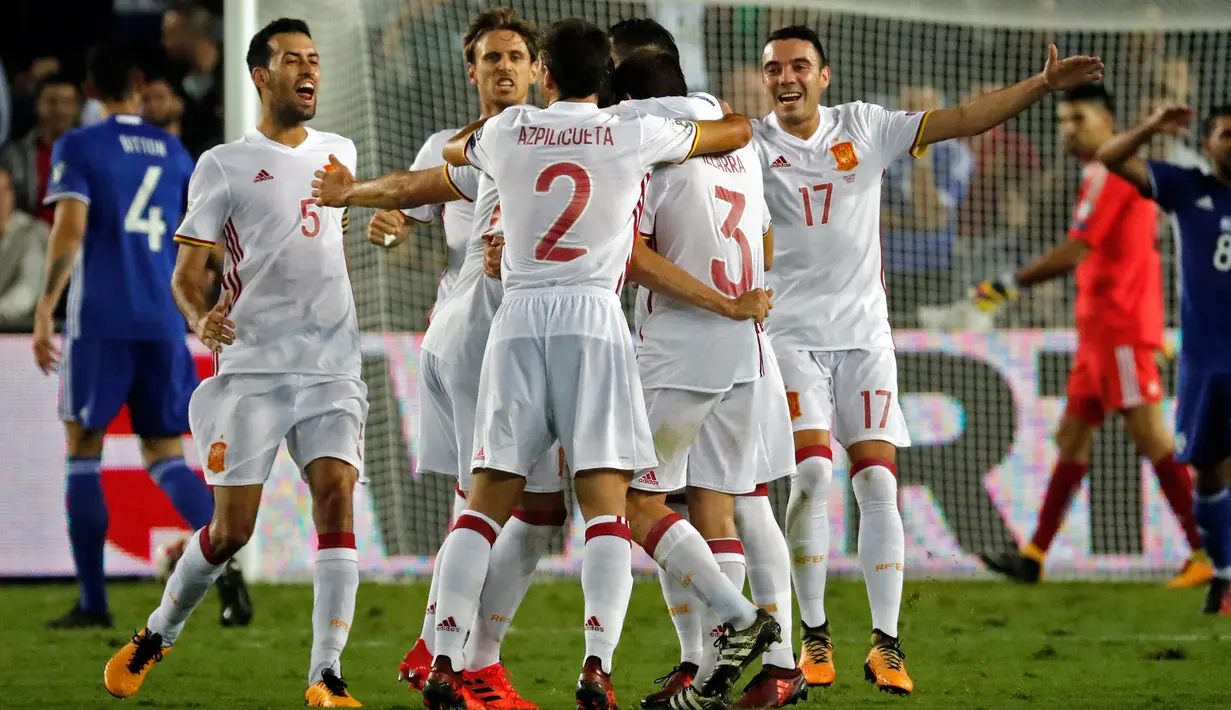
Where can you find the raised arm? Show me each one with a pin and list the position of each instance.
(1120, 153)
(989, 110)
(650, 269)
(401, 189)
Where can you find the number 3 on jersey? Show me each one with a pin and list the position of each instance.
(150, 225)
(731, 230)
(547, 248)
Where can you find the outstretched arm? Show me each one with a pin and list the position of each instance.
(731, 132)
(989, 110)
(1059, 261)
(1119, 153)
(401, 189)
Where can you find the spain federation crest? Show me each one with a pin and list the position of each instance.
(844, 155)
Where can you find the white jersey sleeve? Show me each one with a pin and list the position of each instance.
(464, 180)
(209, 199)
(666, 140)
(429, 156)
(893, 132)
(478, 150)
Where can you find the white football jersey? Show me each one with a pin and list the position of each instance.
(571, 180)
(456, 216)
(707, 216)
(459, 327)
(285, 263)
(825, 196)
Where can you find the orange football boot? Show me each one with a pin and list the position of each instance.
(493, 688)
(774, 687)
(816, 661)
(1197, 570)
(126, 670)
(416, 665)
(329, 692)
(886, 665)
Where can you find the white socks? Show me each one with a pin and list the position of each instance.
(194, 574)
(807, 530)
(882, 542)
(428, 633)
(462, 565)
(510, 571)
(607, 583)
(729, 554)
(679, 548)
(769, 570)
(335, 583)
(682, 606)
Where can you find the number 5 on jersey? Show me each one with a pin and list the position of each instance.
(308, 212)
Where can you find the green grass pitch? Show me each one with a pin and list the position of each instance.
(968, 644)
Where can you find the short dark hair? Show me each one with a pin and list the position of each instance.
(578, 55)
(56, 79)
(112, 71)
(1207, 126)
(501, 18)
(639, 33)
(803, 32)
(648, 74)
(1093, 93)
(259, 53)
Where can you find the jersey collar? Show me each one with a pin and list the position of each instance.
(576, 108)
(255, 136)
(772, 119)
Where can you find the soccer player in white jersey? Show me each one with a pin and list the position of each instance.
(287, 357)
(564, 258)
(704, 378)
(823, 167)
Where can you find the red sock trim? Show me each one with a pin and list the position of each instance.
(762, 490)
(329, 541)
(206, 550)
(457, 488)
(817, 451)
(726, 545)
(861, 464)
(544, 518)
(617, 529)
(467, 521)
(656, 533)
(677, 498)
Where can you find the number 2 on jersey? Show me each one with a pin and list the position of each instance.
(731, 230)
(151, 225)
(547, 248)
(827, 188)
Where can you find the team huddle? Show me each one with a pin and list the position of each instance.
(530, 378)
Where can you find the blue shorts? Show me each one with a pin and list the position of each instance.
(155, 378)
(1202, 415)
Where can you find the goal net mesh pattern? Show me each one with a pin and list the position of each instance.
(982, 396)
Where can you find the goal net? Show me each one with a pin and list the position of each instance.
(982, 397)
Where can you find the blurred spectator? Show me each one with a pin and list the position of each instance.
(686, 22)
(28, 160)
(743, 91)
(21, 96)
(6, 106)
(23, 245)
(919, 217)
(161, 105)
(188, 38)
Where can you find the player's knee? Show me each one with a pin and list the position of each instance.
(1074, 439)
(332, 507)
(82, 442)
(813, 477)
(157, 449)
(226, 538)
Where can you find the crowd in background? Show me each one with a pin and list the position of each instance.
(968, 210)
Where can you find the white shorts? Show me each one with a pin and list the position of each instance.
(851, 393)
(447, 402)
(707, 440)
(777, 439)
(239, 421)
(559, 364)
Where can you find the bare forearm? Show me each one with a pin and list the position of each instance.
(1123, 146)
(655, 272)
(61, 251)
(983, 113)
(403, 189)
(1057, 262)
(189, 294)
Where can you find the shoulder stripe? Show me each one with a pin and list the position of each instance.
(916, 150)
(696, 136)
(193, 241)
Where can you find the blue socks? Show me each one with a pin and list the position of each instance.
(87, 530)
(1213, 514)
(188, 493)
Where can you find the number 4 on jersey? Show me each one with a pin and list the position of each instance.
(150, 225)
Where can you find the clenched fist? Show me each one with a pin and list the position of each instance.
(751, 305)
(388, 228)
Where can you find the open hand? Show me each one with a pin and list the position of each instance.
(46, 354)
(1063, 74)
(215, 329)
(1173, 119)
(333, 183)
(387, 228)
(751, 305)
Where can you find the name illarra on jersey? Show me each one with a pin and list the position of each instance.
(707, 216)
(824, 194)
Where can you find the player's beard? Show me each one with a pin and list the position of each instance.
(290, 111)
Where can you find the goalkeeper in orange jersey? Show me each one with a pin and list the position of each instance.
(1112, 246)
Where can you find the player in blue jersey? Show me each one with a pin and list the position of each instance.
(1200, 204)
(115, 186)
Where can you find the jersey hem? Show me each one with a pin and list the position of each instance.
(52, 199)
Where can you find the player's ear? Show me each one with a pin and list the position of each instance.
(826, 73)
(260, 78)
(470, 74)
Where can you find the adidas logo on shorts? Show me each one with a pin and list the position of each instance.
(648, 479)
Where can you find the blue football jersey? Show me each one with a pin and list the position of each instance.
(1200, 207)
(134, 178)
